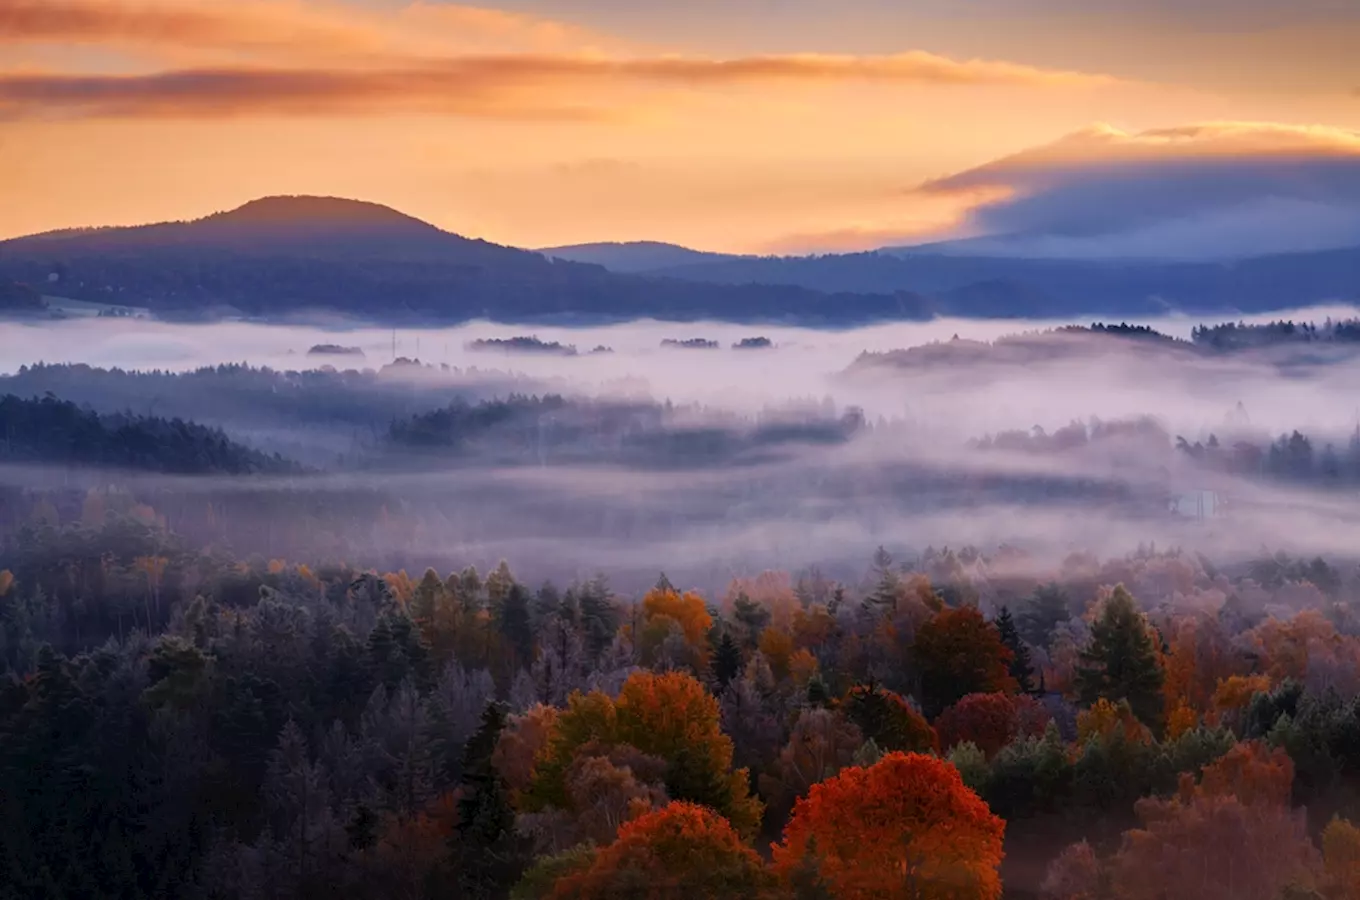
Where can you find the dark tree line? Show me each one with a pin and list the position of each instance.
(47, 431)
(1241, 336)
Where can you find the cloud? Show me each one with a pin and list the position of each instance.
(225, 93)
(513, 85)
(282, 30)
(1211, 190)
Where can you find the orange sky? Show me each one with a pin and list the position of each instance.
(743, 125)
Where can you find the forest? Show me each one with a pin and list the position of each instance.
(51, 430)
(176, 721)
(581, 628)
(1073, 342)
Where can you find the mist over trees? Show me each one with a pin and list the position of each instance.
(238, 726)
(493, 635)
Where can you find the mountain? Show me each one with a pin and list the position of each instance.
(288, 256)
(313, 227)
(634, 256)
(1054, 288)
(282, 257)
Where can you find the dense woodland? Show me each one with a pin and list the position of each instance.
(178, 722)
(1237, 336)
(50, 431)
(1147, 346)
(254, 687)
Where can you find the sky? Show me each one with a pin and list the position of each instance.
(1050, 127)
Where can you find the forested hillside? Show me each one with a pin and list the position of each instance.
(51, 431)
(176, 722)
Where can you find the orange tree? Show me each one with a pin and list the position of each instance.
(905, 827)
(668, 715)
(956, 653)
(682, 850)
(663, 606)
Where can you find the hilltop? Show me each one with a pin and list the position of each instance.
(278, 257)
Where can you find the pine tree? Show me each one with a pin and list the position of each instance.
(386, 663)
(1021, 667)
(1121, 661)
(1047, 609)
(752, 616)
(488, 854)
(514, 623)
(727, 661)
(818, 694)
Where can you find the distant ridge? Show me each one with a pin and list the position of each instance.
(279, 225)
(285, 256)
(634, 256)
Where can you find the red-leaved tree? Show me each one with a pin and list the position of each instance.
(905, 827)
(680, 851)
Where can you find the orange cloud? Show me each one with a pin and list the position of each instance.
(282, 29)
(1106, 146)
(462, 85)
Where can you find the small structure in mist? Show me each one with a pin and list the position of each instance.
(1200, 505)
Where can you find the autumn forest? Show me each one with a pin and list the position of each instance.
(640, 624)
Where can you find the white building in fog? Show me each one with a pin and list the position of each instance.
(1197, 504)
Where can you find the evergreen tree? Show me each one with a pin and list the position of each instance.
(514, 622)
(1021, 667)
(1121, 661)
(489, 856)
(414, 650)
(1045, 611)
(727, 660)
(818, 694)
(387, 665)
(885, 593)
(752, 616)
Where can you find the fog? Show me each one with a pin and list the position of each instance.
(909, 477)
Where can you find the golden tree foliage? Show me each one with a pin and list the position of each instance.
(522, 741)
(905, 827)
(777, 645)
(1110, 721)
(688, 609)
(1180, 720)
(664, 607)
(401, 586)
(803, 666)
(1198, 660)
(1234, 693)
(1341, 859)
(772, 590)
(668, 715)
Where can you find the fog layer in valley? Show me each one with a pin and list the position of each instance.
(722, 461)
